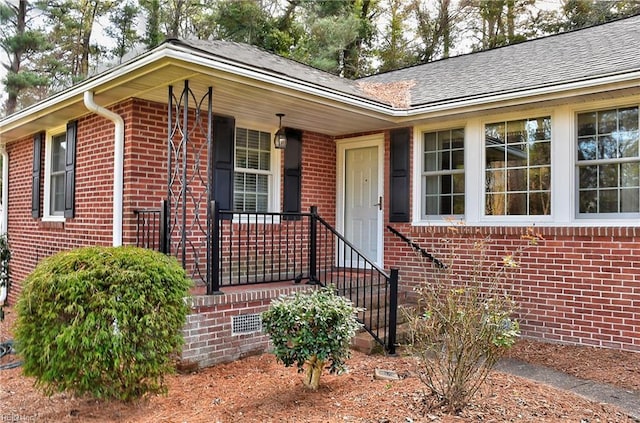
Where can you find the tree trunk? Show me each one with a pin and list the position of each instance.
(312, 373)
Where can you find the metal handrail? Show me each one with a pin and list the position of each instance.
(251, 248)
(424, 253)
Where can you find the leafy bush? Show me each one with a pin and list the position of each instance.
(5, 256)
(311, 329)
(463, 325)
(102, 321)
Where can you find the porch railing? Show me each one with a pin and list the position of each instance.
(151, 225)
(254, 248)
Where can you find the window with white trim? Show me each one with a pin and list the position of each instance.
(608, 162)
(253, 175)
(56, 175)
(518, 167)
(443, 173)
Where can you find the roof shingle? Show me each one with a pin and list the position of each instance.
(611, 48)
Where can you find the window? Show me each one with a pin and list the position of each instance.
(56, 175)
(443, 173)
(252, 172)
(518, 167)
(608, 162)
(59, 174)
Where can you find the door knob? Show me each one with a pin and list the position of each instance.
(379, 203)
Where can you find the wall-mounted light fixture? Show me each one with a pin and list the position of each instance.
(280, 139)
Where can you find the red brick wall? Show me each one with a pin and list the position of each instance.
(319, 174)
(31, 239)
(208, 331)
(145, 167)
(577, 286)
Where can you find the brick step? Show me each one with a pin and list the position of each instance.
(365, 298)
(370, 316)
(364, 342)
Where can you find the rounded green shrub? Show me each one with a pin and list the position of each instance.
(311, 329)
(103, 321)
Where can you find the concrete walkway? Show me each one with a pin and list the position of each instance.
(626, 400)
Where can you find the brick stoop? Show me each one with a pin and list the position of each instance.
(364, 342)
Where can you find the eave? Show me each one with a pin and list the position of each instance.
(255, 95)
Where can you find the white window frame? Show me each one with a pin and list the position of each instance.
(500, 120)
(274, 175)
(478, 178)
(47, 215)
(420, 174)
(580, 217)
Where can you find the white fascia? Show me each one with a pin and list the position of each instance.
(531, 95)
(188, 55)
(185, 54)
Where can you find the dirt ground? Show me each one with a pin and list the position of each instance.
(258, 389)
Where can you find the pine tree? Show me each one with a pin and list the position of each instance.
(20, 42)
(123, 20)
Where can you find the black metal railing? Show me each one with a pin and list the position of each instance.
(150, 228)
(358, 278)
(254, 248)
(424, 253)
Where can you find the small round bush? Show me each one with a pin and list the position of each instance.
(103, 321)
(310, 329)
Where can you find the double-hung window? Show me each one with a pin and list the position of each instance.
(518, 167)
(608, 162)
(59, 174)
(56, 175)
(443, 173)
(253, 174)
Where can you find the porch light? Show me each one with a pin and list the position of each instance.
(280, 139)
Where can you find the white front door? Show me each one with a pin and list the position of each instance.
(361, 197)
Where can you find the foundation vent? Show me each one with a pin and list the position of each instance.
(246, 323)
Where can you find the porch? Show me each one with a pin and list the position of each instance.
(255, 257)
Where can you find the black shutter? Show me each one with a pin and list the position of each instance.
(292, 172)
(399, 167)
(37, 164)
(70, 170)
(223, 153)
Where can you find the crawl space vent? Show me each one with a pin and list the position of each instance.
(246, 323)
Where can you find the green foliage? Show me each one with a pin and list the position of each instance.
(338, 36)
(19, 41)
(310, 329)
(463, 324)
(582, 13)
(5, 256)
(102, 321)
(153, 36)
(248, 22)
(123, 20)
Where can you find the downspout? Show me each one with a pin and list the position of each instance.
(4, 217)
(118, 163)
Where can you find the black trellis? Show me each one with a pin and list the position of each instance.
(189, 180)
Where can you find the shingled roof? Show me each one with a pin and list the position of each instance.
(598, 51)
(256, 58)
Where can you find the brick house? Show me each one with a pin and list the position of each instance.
(540, 134)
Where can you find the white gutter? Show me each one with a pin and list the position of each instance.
(238, 70)
(188, 55)
(118, 162)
